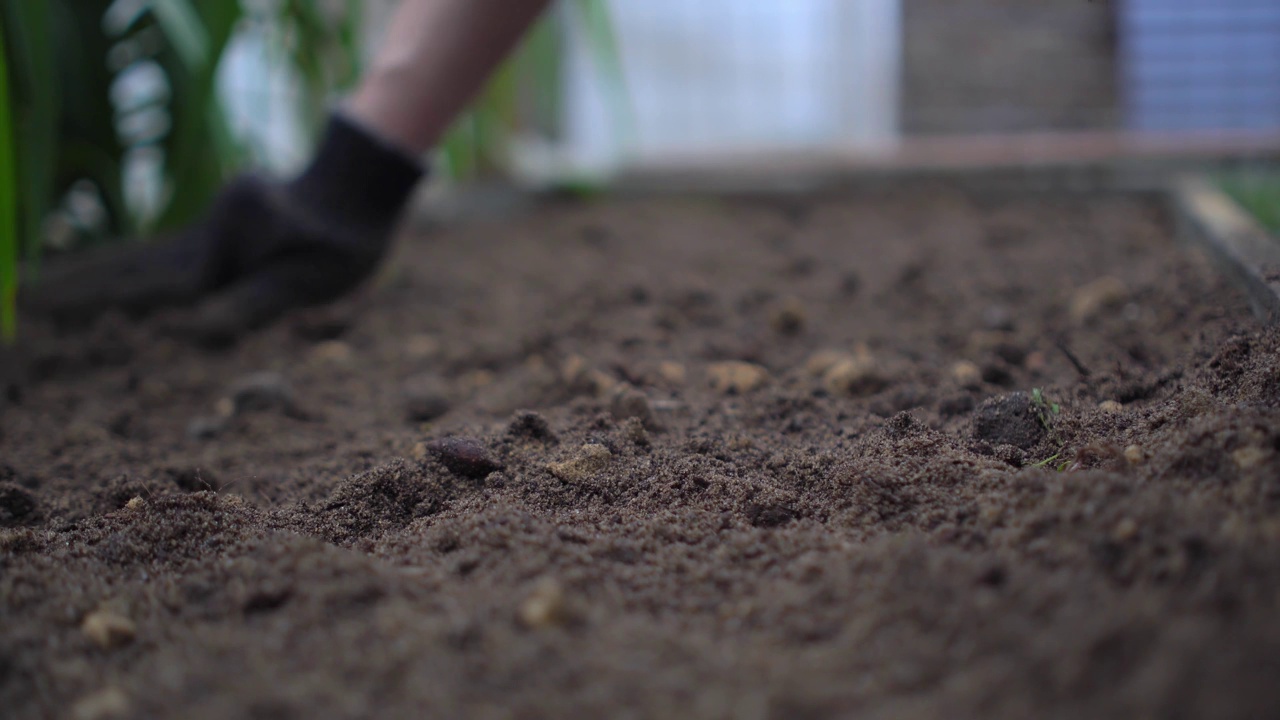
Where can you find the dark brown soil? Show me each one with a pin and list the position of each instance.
(744, 458)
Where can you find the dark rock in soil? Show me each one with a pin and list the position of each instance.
(464, 456)
(1008, 420)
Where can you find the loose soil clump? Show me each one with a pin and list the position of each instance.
(671, 458)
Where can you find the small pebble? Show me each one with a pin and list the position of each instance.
(856, 374)
(736, 376)
(788, 318)
(672, 372)
(107, 629)
(1250, 456)
(591, 459)
(1111, 407)
(333, 352)
(422, 347)
(966, 373)
(544, 607)
(1134, 454)
(823, 360)
(224, 408)
(1124, 530)
(260, 392)
(1091, 299)
(572, 368)
(476, 379)
(464, 456)
(579, 375)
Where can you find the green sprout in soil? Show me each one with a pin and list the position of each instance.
(1049, 462)
(1045, 408)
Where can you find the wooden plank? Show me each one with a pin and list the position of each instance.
(1103, 160)
(1245, 251)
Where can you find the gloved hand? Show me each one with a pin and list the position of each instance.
(263, 247)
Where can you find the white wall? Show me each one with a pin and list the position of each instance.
(720, 76)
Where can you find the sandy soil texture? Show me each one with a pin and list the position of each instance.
(905, 453)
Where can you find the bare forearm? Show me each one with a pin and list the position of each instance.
(436, 57)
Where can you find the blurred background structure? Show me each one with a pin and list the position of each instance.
(123, 116)
(720, 78)
(1200, 64)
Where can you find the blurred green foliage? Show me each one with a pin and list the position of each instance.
(526, 92)
(1258, 191)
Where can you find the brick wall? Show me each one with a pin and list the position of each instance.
(982, 66)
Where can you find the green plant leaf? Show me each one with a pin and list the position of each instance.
(187, 31)
(540, 60)
(606, 52)
(89, 146)
(1045, 462)
(199, 150)
(33, 96)
(320, 43)
(8, 208)
(1257, 190)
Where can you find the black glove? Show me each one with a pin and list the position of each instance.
(263, 248)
